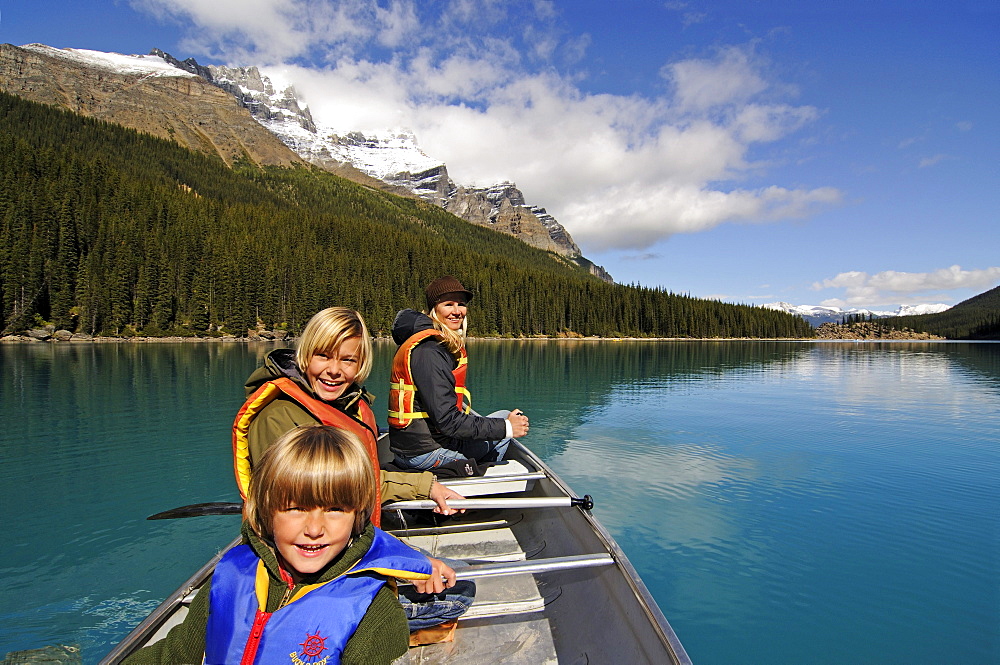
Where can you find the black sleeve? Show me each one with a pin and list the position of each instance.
(431, 365)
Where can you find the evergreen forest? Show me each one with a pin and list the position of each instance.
(107, 231)
(975, 318)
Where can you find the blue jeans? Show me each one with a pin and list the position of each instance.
(424, 610)
(481, 451)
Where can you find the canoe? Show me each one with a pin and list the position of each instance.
(552, 584)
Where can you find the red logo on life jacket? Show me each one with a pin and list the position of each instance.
(312, 647)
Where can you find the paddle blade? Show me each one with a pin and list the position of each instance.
(200, 509)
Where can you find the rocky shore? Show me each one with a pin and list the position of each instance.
(50, 334)
(870, 330)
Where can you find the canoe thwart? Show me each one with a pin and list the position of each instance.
(534, 566)
(531, 566)
(587, 503)
(487, 480)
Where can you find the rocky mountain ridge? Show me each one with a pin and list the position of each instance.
(144, 93)
(392, 157)
(237, 113)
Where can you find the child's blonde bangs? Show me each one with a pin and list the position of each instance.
(312, 466)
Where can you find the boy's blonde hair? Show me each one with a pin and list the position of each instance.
(327, 330)
(311, 466)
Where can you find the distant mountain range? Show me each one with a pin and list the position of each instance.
(817, 315)
(205, 108)
(392, 157)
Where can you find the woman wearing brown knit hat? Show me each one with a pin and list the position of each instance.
(430, 417)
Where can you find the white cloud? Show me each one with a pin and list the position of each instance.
(688, 18)
(650, 213)
(702, 84)
(267, 32)
(964, 126)
(931, 161)
(399, 22)
(479, 85)
(893, 286)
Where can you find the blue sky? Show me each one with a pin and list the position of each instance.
(843, 153)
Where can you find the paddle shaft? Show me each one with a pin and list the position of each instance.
(533, 566)
(587, 503)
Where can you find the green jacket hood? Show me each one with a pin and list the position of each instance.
(278, 363)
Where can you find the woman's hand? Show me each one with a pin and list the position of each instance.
(440, 495)
(518, 423)
(442, 577)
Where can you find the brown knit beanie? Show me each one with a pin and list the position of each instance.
(446, 288)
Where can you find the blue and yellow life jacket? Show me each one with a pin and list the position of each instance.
(315, 624)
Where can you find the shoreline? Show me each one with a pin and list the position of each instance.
(77, 339)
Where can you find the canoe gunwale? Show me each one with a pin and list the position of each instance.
(157, 617)
(651, 609)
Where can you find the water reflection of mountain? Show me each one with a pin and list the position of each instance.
(980, 361)
(600, 367)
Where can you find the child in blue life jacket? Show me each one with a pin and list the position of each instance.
(309, 583)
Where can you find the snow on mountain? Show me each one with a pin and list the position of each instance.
(915, 310)
(381, 155)
(392, 156)
(816, 314)
(149, 65)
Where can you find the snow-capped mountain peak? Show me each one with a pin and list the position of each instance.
(142, 65)
(390, 155)
(382, 154)
(379, 155)
(914, 310)
(818, 314)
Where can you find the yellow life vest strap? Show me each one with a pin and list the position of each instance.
(401, 415)
(262, 581)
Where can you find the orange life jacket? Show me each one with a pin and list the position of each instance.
(402, 390)
(320, 410)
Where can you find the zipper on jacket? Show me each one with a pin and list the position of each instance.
(260, 620)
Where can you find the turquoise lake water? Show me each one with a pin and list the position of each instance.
(784, 502)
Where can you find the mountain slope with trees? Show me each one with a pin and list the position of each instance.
(104, 230)
(975, 318)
